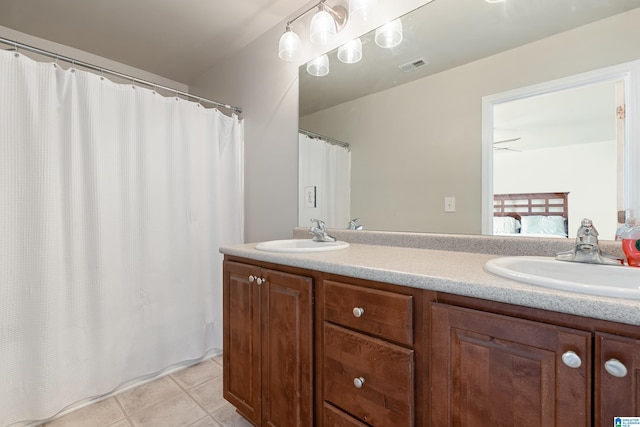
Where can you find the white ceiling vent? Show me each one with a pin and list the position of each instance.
(413, 65)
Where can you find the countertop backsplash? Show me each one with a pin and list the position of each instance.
(492, 245)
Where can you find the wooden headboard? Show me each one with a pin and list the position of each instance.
(524, 204)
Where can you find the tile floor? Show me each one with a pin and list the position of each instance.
(189, 397)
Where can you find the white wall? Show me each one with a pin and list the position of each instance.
(437, 152)
(267, 90)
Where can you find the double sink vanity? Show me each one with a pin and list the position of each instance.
(400, 329)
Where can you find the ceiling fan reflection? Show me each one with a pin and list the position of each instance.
(506, 141)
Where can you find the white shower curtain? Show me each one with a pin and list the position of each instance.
(114, 201)
(327, 168)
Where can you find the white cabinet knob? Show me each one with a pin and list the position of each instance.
(358, 382)
(260, 280)
(252, 279)
(358, 311)
(616, 368)
(571, 359)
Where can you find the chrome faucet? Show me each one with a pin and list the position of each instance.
(319, 232)
(353, 225)
(586, 248)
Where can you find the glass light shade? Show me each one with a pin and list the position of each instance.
(318, 67)
(289, 45)
(361, 8)
(390, 34)
(323, 28)
(351, 52)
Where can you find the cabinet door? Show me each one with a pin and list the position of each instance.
(242, 339)
(617, 378)
(287, 359)
(493, 370)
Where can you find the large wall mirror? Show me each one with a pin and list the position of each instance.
(421, 147)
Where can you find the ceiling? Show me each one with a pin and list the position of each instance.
(579, 115)
(175, 39)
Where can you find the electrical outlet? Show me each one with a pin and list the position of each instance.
(449, 204)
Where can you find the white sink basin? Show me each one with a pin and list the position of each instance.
(593, 279)
(300, 245)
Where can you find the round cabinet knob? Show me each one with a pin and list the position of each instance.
(358, 382)
(252, 279)
(358, 311)
(616, 368)
(260, 281)
(571, 359)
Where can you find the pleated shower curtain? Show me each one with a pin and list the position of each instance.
(114, 201)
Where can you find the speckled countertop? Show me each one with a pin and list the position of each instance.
(460, 273)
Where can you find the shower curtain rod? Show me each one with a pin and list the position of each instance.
(325, 138)
(74, 62)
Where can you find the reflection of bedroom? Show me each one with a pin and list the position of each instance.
(567, 146)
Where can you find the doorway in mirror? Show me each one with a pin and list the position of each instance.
(565, 136)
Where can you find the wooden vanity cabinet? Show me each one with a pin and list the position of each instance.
(304, 348)
(617, 378)
(493, 370)
(268, 345)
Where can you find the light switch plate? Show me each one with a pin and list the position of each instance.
(449, 204)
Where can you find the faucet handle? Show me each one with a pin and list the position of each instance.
(320, 224)
(587, 232)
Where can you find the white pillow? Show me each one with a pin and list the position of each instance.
(538, 224)
(505, 225)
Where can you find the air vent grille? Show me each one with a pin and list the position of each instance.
(413, 65)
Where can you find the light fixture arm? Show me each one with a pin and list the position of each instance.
(338, 13)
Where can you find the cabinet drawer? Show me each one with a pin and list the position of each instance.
(386, 314)
(386, 395)
(334, 417)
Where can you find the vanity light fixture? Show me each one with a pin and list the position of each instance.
(289, 45)
(323, 27)
(361, 8)
(350, 52)
(390, 34)
(318, 67)
(326, 22)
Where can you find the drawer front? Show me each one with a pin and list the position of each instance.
(384, 395)
(334, 417)
(385, 314)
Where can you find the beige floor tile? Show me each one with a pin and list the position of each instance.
(148, 394)
(123, 423)
(197, 374)
(218, 360)
(206, 422)
(209, 394)
(228, 417)
(99, 414)
(175, 412)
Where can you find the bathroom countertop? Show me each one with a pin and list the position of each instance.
(460, 273)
